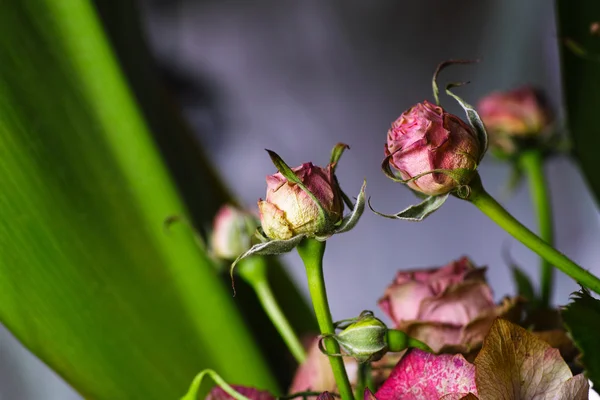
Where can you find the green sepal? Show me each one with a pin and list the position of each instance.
(457, 174)
(287, 172)
(440, 68)
(417, 212)
(272, 247)
(473, 117)
(192, 393)
(350, 220)
(336, 154)
(582, 319)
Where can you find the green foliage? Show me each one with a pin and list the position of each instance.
(581, 82)
(90, 281)
(582, 319)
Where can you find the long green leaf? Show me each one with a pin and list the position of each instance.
(89, 280)
(201, 190)
(581, 81)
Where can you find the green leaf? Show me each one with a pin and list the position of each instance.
(523, 283)
(581, 83)
(90, 282)
(582, 319)
(202, 191)
(417, 212)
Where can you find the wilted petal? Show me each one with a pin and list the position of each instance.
(424, 376)
(253, 394)
(515, 365)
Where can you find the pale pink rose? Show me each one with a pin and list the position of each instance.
(289, 211)
(451, 306)
(253, 394)
(424, 138)
(315, 372)
(232, 232)
(523, 111)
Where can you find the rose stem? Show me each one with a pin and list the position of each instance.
(364, 372)
(311, 251)
(533, 164)
(490, 207)
(254, 271)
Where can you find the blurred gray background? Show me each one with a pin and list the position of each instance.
(299, 76)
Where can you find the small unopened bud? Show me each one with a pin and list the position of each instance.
(232, 232)
(364, 339)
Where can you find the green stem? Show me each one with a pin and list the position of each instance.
(311, 251)
(533, 164)
(254, 271)
(364, 371)
(490, 207)
(398, 341)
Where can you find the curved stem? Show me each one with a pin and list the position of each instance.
(254, 271)
(533, 164)
(490, 207)
(311, 251)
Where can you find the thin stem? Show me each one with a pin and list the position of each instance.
(311, 251)
(364, 371)
(490, 207)
(533, 164)
(254, 271)
(192, 393)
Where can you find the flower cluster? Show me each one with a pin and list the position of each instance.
(450, 339)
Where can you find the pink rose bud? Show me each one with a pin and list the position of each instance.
(448, 306)
(426, 138)
(520, 113)
(288, 210)
(232, 232)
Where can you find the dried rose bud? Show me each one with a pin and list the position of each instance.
(232, 232)
(288, 210)
(448, 306)
(514, 115)
(426, 138)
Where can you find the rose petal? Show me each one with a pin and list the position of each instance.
(515, 365)
(424, 376)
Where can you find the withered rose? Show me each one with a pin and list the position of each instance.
(289, 211)
(450, 307)
(426, 138)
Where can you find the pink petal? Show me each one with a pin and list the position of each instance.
(424, 376)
